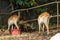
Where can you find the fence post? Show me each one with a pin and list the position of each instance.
(12, 8)
(19, 13)
(57, 16)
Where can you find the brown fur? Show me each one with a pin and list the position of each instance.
(14, 20)
(44, 15)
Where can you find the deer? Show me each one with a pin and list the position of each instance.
(44, 18)
(13, 20)
(26, 24)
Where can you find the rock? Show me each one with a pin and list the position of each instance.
(56, 37)
(1, 32)
(6, 32)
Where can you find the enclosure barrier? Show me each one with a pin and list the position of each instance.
(57, 2)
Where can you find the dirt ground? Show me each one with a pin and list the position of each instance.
(42, 36)
(29, 36)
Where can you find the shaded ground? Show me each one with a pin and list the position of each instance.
(29, 36)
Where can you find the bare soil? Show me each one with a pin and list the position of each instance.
(28, 35)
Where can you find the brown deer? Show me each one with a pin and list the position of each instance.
(13, 20)
(44, 18)
(26, 24)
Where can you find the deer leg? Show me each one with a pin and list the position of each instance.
(43, 28)
(32, 26)
(12, 27)
(46, 24)
(16, 26)
(25, 27)
(39, 26)
(8, 26)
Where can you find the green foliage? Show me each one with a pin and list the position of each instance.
(23, 2)
(20, 2)
(29, 4)
(11, 1)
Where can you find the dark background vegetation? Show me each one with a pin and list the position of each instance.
(5, 10)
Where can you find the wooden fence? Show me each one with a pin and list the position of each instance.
(56, 2)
